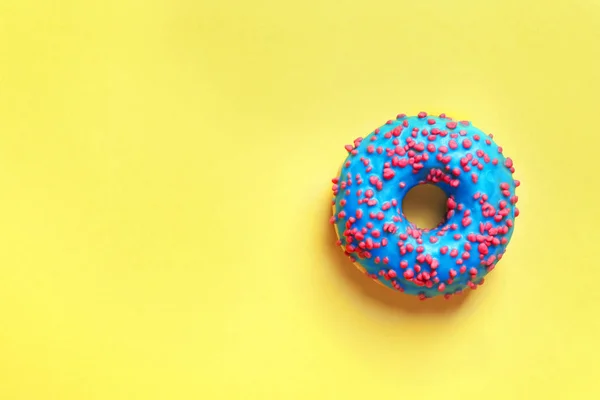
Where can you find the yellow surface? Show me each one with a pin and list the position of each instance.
(165, 166)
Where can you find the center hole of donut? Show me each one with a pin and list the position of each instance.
(425, 206)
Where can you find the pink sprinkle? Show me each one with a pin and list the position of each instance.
(466, 143)
(422, 114)
(483, 249)
(450, 203)
(388, 173)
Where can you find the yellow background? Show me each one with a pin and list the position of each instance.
(164, 175)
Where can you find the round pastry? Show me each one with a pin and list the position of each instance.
(453, 155)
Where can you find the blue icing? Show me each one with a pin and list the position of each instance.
(496, 232)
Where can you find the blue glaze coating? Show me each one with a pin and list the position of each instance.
(489, 181)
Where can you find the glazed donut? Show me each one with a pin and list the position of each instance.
(481, 206)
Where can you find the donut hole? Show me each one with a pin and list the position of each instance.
(425, 206)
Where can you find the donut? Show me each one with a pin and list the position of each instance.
(379, 171)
